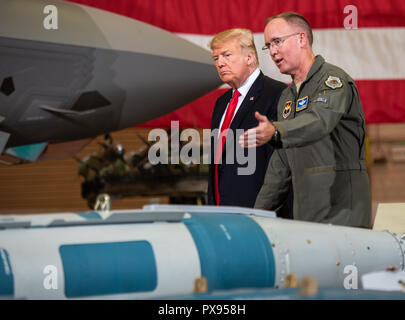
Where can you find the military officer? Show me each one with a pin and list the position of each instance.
(319, 135)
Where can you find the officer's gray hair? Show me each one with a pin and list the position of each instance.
(297, 20)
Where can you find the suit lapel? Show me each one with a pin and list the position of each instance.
(248, 102)
(217, 115)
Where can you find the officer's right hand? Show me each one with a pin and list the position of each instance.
(257, 136)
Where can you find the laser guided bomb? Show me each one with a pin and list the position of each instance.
(160, 251)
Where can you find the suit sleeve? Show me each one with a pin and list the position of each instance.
(276, 88)
(319, 119)
(276, 184)
(211, 168)
(210, 190)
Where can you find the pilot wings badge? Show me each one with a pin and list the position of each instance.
(333, 82)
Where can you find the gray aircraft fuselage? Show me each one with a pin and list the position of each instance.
(97, 72)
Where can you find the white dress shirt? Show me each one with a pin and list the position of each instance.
(243, 90)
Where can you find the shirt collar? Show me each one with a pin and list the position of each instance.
(319, 61)
(245, 87)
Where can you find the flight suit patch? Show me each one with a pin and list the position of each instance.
(302, 104)
(333, 82)
(287, 109)
(324, 100)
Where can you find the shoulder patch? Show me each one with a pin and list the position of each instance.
(321, 99)
(287, 109)
(333, 82)
(301, 104)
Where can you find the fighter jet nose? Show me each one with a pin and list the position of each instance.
(158, 70)
(65, 22)
(82, 72)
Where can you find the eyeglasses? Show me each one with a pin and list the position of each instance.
(277, 42)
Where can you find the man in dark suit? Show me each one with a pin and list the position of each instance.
(236, 60)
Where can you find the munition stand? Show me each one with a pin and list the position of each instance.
(111, 171)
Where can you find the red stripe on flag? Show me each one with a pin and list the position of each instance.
(196, 114)
(213, 16)
(382, 101)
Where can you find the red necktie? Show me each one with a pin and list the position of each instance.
(220, 144)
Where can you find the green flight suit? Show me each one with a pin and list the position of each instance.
(322, 131)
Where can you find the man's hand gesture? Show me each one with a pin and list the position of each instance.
(259, 135)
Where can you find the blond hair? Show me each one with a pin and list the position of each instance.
(243, 36)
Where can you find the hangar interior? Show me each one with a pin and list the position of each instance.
(130, 68)
(55, 185)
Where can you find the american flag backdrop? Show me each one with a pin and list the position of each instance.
(373, 54)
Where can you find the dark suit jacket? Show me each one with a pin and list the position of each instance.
(234, 189)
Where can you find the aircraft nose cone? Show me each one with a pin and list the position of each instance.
(158, 70)
(96, 72)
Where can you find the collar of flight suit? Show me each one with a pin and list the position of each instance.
(319, 61)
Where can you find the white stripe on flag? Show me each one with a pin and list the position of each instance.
(366, 53)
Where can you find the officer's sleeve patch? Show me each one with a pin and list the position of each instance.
(301, 104)
(287, 109)
(333, 82)
(321, 99)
